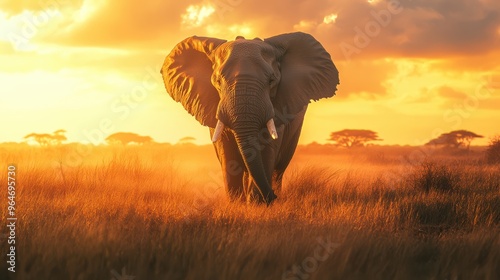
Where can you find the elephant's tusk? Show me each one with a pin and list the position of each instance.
(272, 129)
(218, 131)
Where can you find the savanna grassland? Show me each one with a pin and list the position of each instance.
(160, 212)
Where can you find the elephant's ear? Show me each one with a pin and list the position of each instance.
(186, 73)
(307, 73)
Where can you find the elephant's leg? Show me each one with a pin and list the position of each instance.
(268, 153)
(232, 165)
(251, 192)
(287, 148)
(277, 181)
(284, 158)
(268, 149)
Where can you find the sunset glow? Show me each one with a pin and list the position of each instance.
(408, 69)
(195, 15)
(110, 169)
(330, 18)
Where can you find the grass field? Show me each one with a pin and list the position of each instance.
(160, 212)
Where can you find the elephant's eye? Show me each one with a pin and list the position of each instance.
(272, 81)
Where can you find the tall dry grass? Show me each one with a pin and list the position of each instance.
(160, 212)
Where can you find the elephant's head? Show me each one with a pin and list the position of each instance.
(248, 87)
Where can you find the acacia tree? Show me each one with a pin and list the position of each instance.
(353, 137)
(186, 140)
(455, 139)
(126, 138)
(58, 137)
(45, 139)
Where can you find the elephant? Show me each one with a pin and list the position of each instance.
(253, 95)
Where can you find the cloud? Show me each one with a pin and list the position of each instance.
(492, 104)
(460, 27)
(104, 60)
(493, 83)
(13, 7)
(481, 62)
(196, 14)
(364, 78)
(125, 24)
(412, 28)
(451, 93)
(348, 28)
(456, 34)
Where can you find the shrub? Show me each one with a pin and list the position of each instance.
(310, 179)
(431, 176)
(493, 151)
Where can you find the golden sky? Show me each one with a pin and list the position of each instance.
(409, 69)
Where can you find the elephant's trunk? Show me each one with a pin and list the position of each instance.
(249, 148)
(247, 113)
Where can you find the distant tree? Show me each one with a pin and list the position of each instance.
(350, 138)
(126, 138)
(58, 137)
(455, 139)
(493, 151)
(59, 132)
(314, 144)
(186, 140)
(45, 139)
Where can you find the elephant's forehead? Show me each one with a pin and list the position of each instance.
(246, 48)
